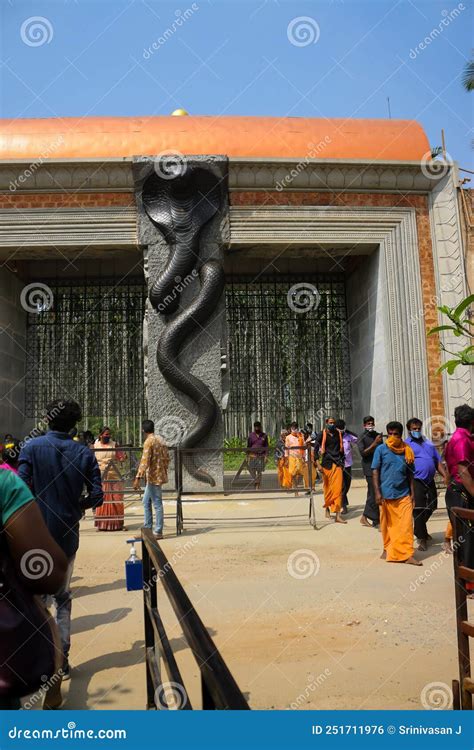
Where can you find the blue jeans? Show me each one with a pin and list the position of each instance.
(63, 601)
(153, 495)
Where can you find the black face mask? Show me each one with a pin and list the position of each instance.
(370, 430)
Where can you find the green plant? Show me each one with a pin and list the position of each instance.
(460, 325)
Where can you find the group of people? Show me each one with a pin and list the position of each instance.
(46, 485)
(400, 475)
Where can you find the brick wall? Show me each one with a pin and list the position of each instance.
(417, 202)
(65, 200)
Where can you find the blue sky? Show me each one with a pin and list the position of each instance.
(343, 59)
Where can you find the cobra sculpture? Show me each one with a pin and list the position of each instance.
(180, 206)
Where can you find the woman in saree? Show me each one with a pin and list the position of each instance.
(110, 516)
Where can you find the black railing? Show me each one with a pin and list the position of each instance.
(463, 689)
(218, 688)
(246, 470)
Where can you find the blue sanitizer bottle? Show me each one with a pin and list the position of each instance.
(133, 568)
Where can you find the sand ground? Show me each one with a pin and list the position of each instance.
(304, 618)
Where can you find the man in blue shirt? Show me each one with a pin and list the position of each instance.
(57, 468)
(427, 463)
(394, 494)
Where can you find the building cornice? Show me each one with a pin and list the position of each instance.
(115, 175)
(332, 174)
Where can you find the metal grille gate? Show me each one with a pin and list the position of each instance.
(288, 350)
(89, 346)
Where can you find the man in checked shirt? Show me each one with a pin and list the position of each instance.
(154, 469)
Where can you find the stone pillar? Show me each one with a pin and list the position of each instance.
(12, 355)
(173, 412)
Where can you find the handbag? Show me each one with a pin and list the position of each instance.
(30, 651)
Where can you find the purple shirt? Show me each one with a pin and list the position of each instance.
(258, 441)
(427, 458)
(347, 441)
(460, 450)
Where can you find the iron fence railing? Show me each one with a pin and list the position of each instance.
(463, 689)
(219, 689)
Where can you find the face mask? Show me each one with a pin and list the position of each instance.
(370, 429)
(106, 439)
(416, 434)
(331, 426)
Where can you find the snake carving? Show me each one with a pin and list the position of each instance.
(180, 206)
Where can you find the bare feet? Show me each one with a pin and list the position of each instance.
(365, 522)
(383, 556)
(423, 545)
(338, 519)
(328, 513)
(412, 561)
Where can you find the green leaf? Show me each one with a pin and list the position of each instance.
(450, 366)
(441, 328)
(463, 305)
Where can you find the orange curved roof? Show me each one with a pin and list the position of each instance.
(264, 137)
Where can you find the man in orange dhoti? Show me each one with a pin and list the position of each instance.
(295, 457)
(331, 452)
(392, 467)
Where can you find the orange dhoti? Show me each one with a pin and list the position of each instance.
(284, 478)
(297, 468)
(332, 487)
(396, 525)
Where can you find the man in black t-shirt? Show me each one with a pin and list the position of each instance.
(367, 443)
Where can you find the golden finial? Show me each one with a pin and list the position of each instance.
(179, 113)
